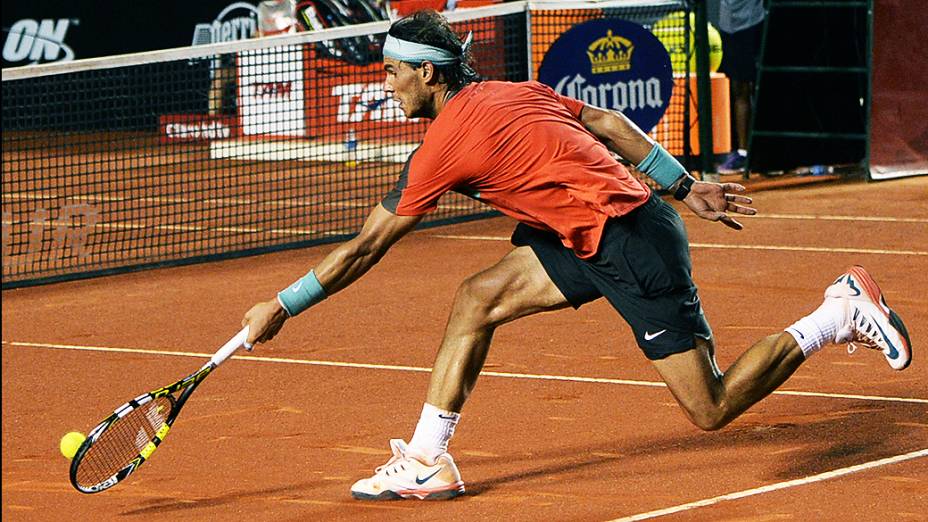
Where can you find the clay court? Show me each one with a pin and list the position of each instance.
(568, 421)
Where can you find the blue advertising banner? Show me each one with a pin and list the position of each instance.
(612, 64)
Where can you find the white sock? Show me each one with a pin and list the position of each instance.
(435, 428)
(819, 328)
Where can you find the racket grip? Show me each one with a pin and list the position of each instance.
(230, 347)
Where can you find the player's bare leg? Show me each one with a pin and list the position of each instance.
(712, 399)
(853, 311)
(515, 287)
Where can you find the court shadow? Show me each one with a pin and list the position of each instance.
(172, 504)
(860, 432)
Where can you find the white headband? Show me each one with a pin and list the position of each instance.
(406, 51)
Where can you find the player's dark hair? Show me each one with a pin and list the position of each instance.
(430, 28)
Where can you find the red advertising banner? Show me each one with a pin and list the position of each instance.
(350, 97)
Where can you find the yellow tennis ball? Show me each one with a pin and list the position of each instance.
(70, 444)
(671, 32)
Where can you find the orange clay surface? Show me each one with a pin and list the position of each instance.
(278, 435)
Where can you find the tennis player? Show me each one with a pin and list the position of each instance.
(587, 229)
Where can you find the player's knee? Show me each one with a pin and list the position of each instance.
(480, 301)
(711, 424)
(710, 419)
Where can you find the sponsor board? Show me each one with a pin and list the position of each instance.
(271, 91)
(280, 96)
(195, 127)
(612, 64)
(237, 21)
(29, 41)
(352, 98)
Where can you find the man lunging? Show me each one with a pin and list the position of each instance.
(587, 229)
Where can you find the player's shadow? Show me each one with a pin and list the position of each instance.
(167, 505)
(861, 432)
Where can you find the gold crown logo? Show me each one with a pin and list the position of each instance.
(610, 54)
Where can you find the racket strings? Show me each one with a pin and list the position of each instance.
(122, 442)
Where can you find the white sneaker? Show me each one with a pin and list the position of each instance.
(405, 476)
(869, 322)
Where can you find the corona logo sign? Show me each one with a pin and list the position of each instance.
(610, 54)
(612, 64)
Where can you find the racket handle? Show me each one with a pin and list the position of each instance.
(230, 347)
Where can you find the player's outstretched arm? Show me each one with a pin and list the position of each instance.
(712, 201)
(618, 133)
(343, 266)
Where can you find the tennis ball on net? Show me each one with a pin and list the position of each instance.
(70, 443)
(671, 32)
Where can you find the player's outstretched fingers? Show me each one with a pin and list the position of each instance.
(738, 198)
(733, 201)
(730, 222)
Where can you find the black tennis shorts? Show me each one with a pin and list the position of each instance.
(643, 269)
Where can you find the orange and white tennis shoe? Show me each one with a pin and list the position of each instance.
(868, 321)
(406, 476)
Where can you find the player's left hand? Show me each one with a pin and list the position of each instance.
(713, 201)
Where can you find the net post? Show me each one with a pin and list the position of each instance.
(705, 90)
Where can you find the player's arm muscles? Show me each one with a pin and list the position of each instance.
(618, 133)
(623, 137)
(711, 201)
(343, 266)
(355, 257)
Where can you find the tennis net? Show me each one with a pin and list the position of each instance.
(233, 149)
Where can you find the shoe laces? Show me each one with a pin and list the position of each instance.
(393, 466)
(865, 335)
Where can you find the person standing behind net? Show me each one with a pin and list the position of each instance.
(740, 26)
(588, 229)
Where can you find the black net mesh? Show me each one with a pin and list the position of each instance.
(667, 21)
(238, 153)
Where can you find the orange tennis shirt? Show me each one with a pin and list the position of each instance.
(521, 148)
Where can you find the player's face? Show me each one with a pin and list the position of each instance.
(408, 87)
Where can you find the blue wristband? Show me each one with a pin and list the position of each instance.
(660, 166)
(302, 294)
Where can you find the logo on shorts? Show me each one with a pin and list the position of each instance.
(648, 336)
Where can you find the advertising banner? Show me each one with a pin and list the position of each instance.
(613, 64)
(44, 31)
(196, 127)
(271, 92)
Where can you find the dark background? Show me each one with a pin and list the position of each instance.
(108, 27)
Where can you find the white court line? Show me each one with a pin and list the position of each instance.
(775, 486)
(226, 201)
(826, 217)
(306, 202)
(734, 247)
(420, 369)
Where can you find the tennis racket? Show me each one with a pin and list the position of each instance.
(123, 441)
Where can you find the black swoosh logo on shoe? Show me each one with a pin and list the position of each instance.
(426, 479)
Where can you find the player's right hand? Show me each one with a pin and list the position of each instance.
(264, 321)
